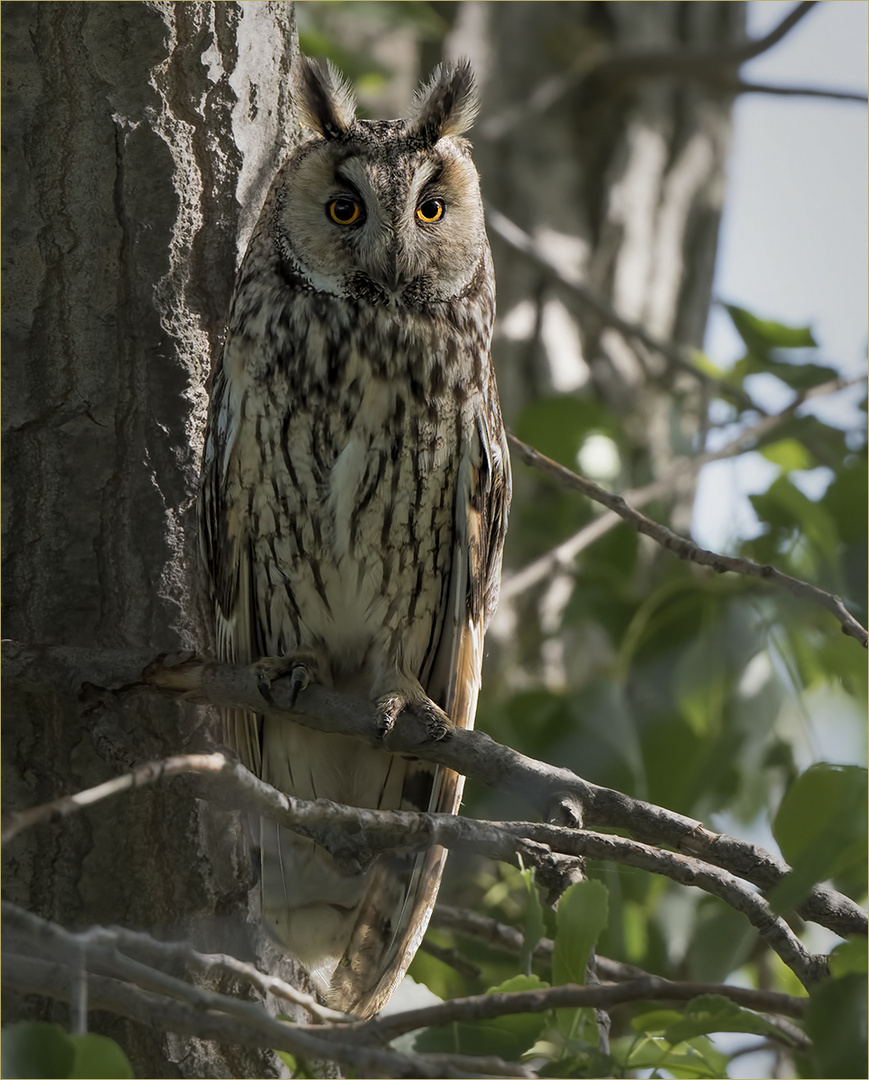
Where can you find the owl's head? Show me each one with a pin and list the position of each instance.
(388, 209)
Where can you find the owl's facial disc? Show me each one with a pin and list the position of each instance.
(383, 217)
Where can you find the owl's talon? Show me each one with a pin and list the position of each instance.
(405, 725)
(271, 668)
(264, 685)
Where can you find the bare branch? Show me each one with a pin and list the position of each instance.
(605, 996)
(716, 68)
(751, 49)
(695, 65)
(687, 550)
(742, 86)
(151, 996)
(680, 357)
(354, 835)
(557, 794)
(681, 471)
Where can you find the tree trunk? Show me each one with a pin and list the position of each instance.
(139, 140)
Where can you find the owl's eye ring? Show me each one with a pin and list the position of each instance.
(344, 211)
(430, 210)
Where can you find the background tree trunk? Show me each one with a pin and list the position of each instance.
(621, 185)
(139, 140)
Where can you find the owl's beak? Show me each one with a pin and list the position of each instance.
(391, 275)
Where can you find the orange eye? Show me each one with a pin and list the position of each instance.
(430, 211)
(344, 211)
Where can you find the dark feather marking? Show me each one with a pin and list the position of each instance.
(367, 494)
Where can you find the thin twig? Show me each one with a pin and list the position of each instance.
(687, 550)
(742, 86)
(650, 987)
(680, 471)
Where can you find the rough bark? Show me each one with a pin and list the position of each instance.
(138, 140)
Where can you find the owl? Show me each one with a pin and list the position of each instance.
(354, 494)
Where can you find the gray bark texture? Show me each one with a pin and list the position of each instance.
(138, 140)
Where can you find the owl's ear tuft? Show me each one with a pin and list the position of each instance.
(326, 103)
(447, 105)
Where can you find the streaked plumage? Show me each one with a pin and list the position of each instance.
(354, 494)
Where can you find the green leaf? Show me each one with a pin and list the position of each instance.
(709, 1013)
(836, 1024)
(99, 1058)
(534, 924)
(761, 335)
(506, 1037)
(36, 1050)
(851, 957)
(579, 919)
(656, 1020)
(298, 1067)
(789, 454)
(821, 829)
(721, 941)
(847, 500)
(695, 1058)
(791, 512)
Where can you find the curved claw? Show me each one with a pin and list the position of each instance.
(408, 724)
(271, 668)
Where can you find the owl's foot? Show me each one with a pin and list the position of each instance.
(301, 670)
(411, 720)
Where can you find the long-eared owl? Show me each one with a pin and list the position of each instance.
(354, 495)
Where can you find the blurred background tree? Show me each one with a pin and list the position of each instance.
(603, 144)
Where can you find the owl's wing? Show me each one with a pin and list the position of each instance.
(397, 906)
(225, 555)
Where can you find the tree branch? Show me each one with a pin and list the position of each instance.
(557, 794)
(680, 471)
(742, 86)
(704, 65)
(687, 550)
(355, 835)
(603, 996)
(680, 357)
(137, 987)
(145, 993)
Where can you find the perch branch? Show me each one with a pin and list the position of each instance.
(685, 549)
(556, 793)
